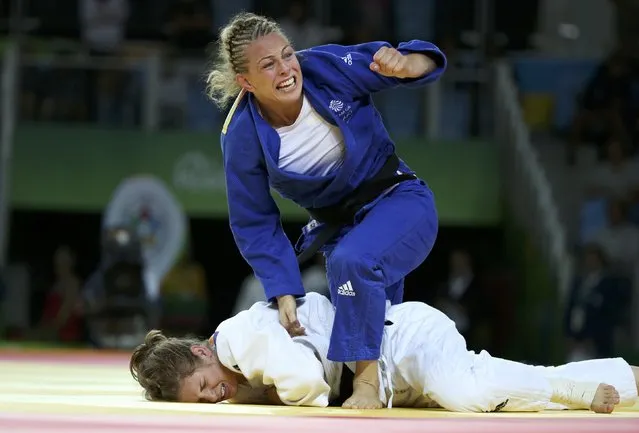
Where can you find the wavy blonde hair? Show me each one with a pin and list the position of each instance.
(161, 363)
(243, 29)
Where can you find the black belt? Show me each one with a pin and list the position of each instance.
(337, 216)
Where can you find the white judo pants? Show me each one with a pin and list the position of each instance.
(426, 353)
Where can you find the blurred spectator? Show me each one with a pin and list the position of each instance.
(463, 299)
(619, 240)
(605, 106)
(595, 307)
(103, 25)
(303, 29)
(173, 98)
(189, 26)
(62, 319)
(617, 177)
(103, 29)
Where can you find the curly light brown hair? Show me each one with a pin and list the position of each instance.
(161, 363)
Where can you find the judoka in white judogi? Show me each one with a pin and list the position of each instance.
(424, 363)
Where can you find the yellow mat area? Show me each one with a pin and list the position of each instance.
(55, 388)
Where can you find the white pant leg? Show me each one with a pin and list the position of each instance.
(431, 355)
(612, 371)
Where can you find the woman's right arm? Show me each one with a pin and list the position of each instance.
(255, 219)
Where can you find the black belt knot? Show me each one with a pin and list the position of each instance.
(337, 216)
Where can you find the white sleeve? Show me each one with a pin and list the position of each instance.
(266, 351)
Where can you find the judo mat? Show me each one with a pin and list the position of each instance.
(91, 391)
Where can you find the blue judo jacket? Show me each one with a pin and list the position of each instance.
(338, 83)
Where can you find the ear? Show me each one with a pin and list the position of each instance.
(244, 83)
(201, 351)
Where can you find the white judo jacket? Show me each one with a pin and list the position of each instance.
(254, 344)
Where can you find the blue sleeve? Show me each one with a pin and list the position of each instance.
(352, 65)
(255, 221)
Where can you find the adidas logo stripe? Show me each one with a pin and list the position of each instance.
(346, 289)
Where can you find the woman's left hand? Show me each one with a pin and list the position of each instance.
(287, 307)
(390, 62)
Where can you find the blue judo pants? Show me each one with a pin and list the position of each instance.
(367, 265)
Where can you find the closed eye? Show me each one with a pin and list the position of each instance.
(202, 387)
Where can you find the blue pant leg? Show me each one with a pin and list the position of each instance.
(367, 267)
(395, 292)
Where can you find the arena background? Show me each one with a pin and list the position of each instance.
(490, 138)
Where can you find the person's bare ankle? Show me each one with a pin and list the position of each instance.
(365, 387)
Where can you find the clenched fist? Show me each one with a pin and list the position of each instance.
(390, 62)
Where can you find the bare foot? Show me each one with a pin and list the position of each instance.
(605, 399)
(365, 396)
